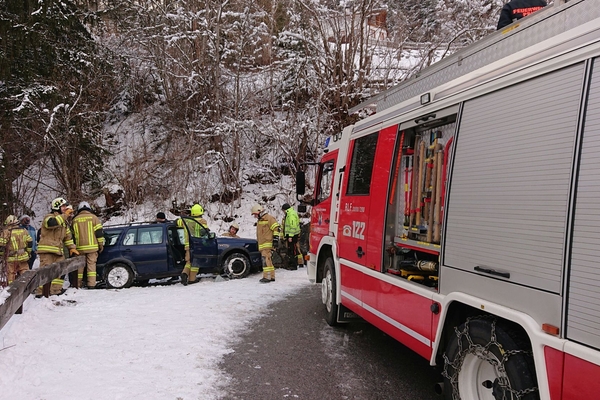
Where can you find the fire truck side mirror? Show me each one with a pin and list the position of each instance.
(301, 208)
(300, 183)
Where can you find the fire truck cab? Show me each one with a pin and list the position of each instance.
(463, 217)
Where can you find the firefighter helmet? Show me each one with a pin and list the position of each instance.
(257, 209)
(196, 210)
(236, 226)
(285, 206)
(82, 205)
(58, 202)
(11, 220)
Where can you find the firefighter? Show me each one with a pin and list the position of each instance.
(188, 275)
(25, 223)
(517, 9)
(233, 230)
(53, 236)
(267, 234)
(291, 235)
(89, 240)
(160, 218)
(15, 244)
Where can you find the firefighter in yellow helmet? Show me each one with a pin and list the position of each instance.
(267, 235)
(188, 275)
(233, 230)
(55, 233)
(89, 239)
(15, 244)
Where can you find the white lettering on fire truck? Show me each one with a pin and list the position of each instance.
(357, 230)
(349, 208)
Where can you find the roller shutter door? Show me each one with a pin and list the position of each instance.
(583, 318)
(508, 198)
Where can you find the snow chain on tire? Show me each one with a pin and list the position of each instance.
(483, 352)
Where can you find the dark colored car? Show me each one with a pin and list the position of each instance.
(143, 251)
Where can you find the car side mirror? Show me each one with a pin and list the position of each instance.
(300, 183)
(212, 235)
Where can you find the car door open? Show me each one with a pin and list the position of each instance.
(203, 246)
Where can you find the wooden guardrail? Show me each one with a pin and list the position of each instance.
(25, 284)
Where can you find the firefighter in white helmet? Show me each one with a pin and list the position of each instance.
(233, 230)
(15, 245)
(267, 234)
(53, 235)
(89, 239)
(197, 229)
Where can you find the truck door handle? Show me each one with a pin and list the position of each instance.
(360, 252)
(492, 272)
(327, 221)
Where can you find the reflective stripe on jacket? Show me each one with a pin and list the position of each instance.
(53, 237)
(18, 244)
(266, 226)
(291, 223)
(85, 228)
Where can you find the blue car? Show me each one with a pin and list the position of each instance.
(139, 252)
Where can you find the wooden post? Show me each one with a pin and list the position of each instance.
(73, 280)
(46, 289)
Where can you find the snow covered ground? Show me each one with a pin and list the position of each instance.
(156, 342)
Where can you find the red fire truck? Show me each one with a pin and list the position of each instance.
(463, 217)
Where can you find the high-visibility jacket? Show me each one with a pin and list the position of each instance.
(266, 227)
(16, 244)
(87, 232)
(291, 223)
(54, 233)
(194, 228)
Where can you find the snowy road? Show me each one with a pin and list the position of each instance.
(291, 353)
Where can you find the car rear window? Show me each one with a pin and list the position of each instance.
(142, 236)
(111, 237)
(151, 235)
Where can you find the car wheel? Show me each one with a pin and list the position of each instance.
(328, 292)
(236, 265)
(119, 276)
(483, 361)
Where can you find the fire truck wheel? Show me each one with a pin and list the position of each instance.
(119, 276)
(236, 266)
(328, 290)
(482, 361)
